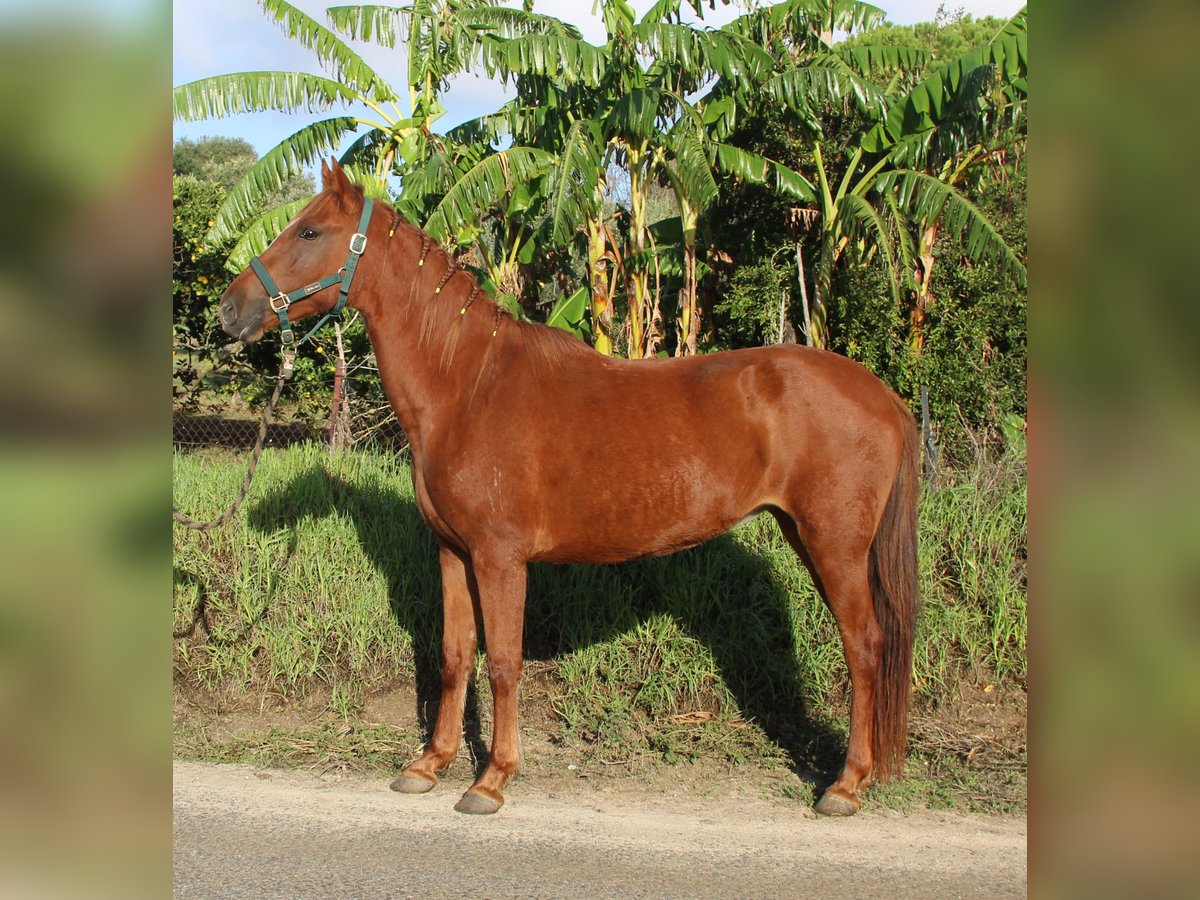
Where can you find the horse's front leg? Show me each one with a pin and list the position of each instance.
(501, 582)
(458, 656)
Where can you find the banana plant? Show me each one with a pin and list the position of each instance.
(952, 126)
(904, 171)
(348, 83)
(443, 37)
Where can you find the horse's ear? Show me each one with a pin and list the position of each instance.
(335, 178)
(326, 175)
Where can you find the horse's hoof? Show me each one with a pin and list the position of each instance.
(478, 804)
(836, 805)
(412, 784)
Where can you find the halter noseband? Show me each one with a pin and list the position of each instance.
(279, 301)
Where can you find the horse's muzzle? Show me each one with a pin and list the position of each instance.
(242, 321)
(229, 313)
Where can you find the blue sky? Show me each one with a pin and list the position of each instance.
(215, 37)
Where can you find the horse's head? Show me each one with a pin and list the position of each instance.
(311, 249)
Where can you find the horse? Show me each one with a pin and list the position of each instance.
(509, 421)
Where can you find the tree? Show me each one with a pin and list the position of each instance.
(868, 208)
(217, 160)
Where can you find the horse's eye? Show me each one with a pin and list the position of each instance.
(308, 234)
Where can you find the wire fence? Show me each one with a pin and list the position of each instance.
(327, 406)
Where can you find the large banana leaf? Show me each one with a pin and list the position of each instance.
(366, 23)
(242, 92)
(860, 220)
(281, 162)
(381, 24)
(568, 60)
(926, 199)
(260, 232)
(633, 115)
(704, 54)
(825, 79)
(570, 313)
(483, 185)
(801, 21)
(880, 60)
(571, 183)
(936, 98)
(692, 170)
(330, 49)
(758, 169)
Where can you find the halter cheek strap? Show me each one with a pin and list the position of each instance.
(279, 301)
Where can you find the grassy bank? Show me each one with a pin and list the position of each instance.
(326, 586)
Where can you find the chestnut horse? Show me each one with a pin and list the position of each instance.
(510, 421)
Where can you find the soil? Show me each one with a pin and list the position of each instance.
(980, 738)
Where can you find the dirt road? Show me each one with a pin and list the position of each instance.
(244, 833)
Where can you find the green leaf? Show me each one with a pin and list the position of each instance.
(480, 188)
(526, 253)
(348, 66)
(570, 313)
(366, 23)
(758, 169)
(572, 185)
(926, 199)
(951, 86)
(280, 163)
(568, 60)
(260, 232)
(860, 219)
(242, 92)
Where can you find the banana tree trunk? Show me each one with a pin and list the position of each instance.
(601, 298)
(637, 287)
(922, 273)
(689, 318)
(808, 322)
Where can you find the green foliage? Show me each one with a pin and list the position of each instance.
(746, 313)
(948, 37)
(570, 313)
(218, 160)
(976, 350)
(203, 366)
(198, 278)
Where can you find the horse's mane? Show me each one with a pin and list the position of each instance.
(548, 348)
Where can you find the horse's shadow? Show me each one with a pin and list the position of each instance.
(748, 630)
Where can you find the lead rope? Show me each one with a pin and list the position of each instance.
(286, 367)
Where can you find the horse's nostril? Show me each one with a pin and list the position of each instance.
(228, 313)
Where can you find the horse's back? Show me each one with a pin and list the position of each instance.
(612, 459)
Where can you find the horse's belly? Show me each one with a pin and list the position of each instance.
(617, 525)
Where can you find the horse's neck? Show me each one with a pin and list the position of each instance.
(429, 359)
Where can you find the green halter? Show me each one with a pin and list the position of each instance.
(279, 301)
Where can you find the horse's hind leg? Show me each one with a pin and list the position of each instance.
(838, 562)
(501, 580)
(458, 655)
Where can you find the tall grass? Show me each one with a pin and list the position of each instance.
(329, 583)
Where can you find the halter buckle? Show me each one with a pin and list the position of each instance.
(282, 298)
(358, 243)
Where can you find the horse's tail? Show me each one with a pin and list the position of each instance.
(893, 573)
